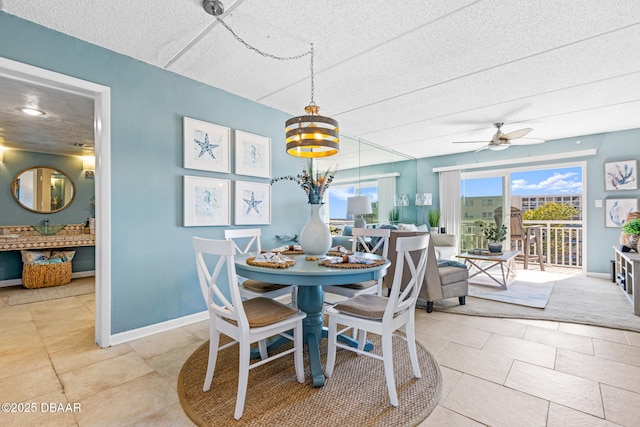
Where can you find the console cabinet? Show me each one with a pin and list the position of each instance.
(627, 269)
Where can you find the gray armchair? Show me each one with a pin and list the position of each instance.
(439, 282)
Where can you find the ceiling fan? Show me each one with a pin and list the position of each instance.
(502, 141)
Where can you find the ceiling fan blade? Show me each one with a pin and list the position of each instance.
(528, 141)
(516, 134)
(469, 142)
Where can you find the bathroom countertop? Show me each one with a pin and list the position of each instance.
(21, 237)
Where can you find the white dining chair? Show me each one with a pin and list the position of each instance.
(244, 321)
(384, 316)
(248, 240)
(371, 240)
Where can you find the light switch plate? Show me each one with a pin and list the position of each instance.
(598, 203)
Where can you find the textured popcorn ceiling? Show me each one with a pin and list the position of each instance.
(412, 76)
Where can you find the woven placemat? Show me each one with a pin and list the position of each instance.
(251, 261)
(355, 395)
(346, 265)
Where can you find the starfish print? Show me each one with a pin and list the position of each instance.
(206, 146)
(252, 203)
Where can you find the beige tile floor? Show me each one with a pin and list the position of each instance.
(496, 372)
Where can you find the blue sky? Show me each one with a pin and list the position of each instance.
(527, 183)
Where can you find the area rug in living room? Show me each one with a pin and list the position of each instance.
(575, 299)
(528, 288)
(356, 394)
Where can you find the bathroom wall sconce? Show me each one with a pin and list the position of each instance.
(88, 166)
(2, 150)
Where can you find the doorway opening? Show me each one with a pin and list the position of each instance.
(102, 137)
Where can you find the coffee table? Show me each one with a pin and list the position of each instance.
(483, 263)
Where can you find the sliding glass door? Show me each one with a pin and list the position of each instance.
(550, 199)
(482, 202)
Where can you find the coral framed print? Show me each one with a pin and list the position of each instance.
(207, 201)
(621, 175)
(616, 211)
(253, 154)
(252, 203)
(206, 146)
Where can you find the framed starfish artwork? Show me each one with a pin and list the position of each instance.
(206, 201)
(252, 203)
(253, 154)
(206, 146)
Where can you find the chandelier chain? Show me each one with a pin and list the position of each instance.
(258, 51)
(269, 55)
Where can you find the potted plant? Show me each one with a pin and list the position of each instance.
(631, 234)
(434, 219)
(394, 215)
(495, 236)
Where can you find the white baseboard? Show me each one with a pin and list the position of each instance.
(18, 282)
(156, 328)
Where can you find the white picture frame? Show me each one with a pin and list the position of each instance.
(253, 154)
(252, 203)
(622, 175)
(616, 211)
(206, 146)
(207, 201)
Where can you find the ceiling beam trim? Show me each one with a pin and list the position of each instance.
(521, 161)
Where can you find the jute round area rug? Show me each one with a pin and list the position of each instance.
(356, 394)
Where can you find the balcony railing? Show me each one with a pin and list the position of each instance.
(560, 241)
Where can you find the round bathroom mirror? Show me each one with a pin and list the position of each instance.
(42, 189)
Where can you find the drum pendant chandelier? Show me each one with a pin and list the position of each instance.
(309, 136)
(312, 135)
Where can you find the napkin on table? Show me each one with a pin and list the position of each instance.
(340, 249)
(351, 259)
(273, 258)
(286, 248)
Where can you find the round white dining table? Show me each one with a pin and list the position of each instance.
(310, 277)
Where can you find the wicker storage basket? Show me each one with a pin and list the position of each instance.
(45, 275)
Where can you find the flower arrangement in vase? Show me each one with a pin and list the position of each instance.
(314, 185)
(315, 237)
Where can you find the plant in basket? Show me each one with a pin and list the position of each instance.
(631, 234)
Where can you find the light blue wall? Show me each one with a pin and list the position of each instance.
(613, 146)
(153, 268)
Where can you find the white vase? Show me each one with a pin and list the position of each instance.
(315, 237)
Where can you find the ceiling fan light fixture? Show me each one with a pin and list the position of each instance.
(30, 111)
(499, 147)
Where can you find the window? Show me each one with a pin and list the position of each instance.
(337, 200)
